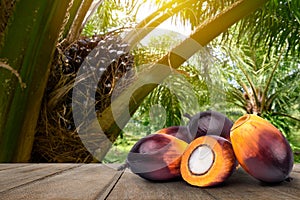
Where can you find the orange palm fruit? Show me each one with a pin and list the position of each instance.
(208, 161)
(157, 157)
(261, 149)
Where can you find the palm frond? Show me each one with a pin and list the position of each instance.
(199, 11)
(264, 94)
(274, 25)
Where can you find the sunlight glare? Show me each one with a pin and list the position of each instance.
(147, 8)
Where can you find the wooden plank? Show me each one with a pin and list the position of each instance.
(5, 166)
(85, 182)
(105, 193)
(96, 181)
(242, 186)
(239, 186)
(296, 168)
(17, 176)
(131, 186)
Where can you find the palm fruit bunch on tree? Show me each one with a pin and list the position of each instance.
(118, 63)
(56, 139)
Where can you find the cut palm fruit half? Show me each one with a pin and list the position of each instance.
(207, 161)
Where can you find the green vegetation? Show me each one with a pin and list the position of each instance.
(256, 78)
(249, 63)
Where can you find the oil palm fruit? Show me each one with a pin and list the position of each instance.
(181, 132)
(261, 149)
(112, 51)
(210, 123)
(208, 161)
(157, 157)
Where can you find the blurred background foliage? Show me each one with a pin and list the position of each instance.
(251, 68)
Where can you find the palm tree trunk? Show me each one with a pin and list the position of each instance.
(27, 47)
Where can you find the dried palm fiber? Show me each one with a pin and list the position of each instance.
(56, 139)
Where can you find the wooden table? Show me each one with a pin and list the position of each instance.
(98, 181)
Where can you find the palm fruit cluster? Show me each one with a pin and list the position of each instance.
(74, 55)
(56, 116)
(113, 50)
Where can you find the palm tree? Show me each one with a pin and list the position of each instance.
(29, 35)
(263, 81)
(106, 118)
(110, 122)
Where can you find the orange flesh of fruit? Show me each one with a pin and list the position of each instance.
(222, 165)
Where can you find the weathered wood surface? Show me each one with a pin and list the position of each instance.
(97, 181)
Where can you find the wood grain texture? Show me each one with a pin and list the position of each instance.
(131, 186)
(26, 173)
(242, 186)
(98, 181)
(84, 182)
(5, 166)
(239, 186)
